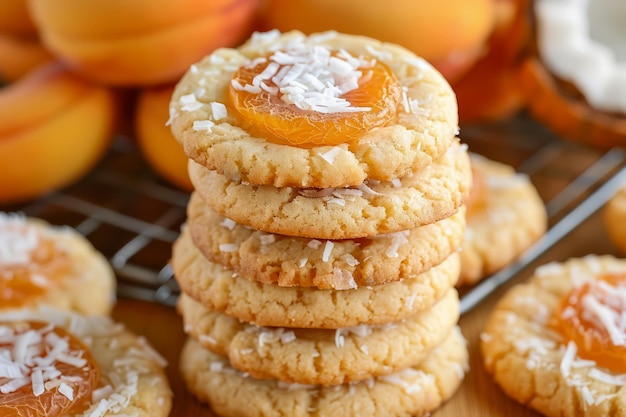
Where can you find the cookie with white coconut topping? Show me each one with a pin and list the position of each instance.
(321, 356)
(340, 264)
(42, 264)
(557, 342)
(414, 391)
(222, 290)
(423, 197)
(614, 218)
(59, 363)
(505, 216)
(306, 83)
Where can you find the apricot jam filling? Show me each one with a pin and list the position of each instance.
(593, 316)
(309, 96)
(44, 371)
(29, 262)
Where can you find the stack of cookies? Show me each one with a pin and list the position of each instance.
(319, 258)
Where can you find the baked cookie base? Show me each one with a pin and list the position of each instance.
(415, 391)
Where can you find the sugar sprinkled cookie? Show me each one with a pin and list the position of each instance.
(270, 305)
(415, 391)
(339, 264)
(557, 342)
(614, 218)
(42, 264)
(320, 111)
(325, 357)
(505, 216)
(376, 207)
(60, 363)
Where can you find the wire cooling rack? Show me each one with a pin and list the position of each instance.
(132, 216)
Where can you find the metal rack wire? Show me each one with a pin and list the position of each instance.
(133, 217)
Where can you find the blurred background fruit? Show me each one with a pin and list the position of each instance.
(139, 43)
(154, 138)
(448, 33)
(54, 128)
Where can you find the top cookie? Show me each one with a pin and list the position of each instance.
(419, 127)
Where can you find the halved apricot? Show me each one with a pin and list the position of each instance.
(279, 121)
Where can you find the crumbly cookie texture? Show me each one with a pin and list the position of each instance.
(614, 217)
(426, 196)
(325, 357)
(528, 358)
(414, 391)
(70, 275)
(132, 380)
(270, 305)
(340, 264)
(507, 219)
(423, 128)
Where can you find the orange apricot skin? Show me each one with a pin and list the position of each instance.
(145, 45)
(15, 18)
(447, 33)
(500, 68)
(155, 140)
(55, 128)
(20, 55)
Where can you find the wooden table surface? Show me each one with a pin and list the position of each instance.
(478, 396)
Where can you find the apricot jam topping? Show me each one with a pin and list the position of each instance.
(593, 316)
(309, 96)
(29, 261)
(44, 371)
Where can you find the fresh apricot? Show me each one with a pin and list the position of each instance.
(139, 43)
(448, 33)
(15, 18)
(55, 127)
(154, 138)
(491, 89)
(19, 55)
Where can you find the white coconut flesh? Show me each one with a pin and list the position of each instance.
(584, 43)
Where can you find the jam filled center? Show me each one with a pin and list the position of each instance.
(46, 371)
(593, 315)
(309, 96)
(29, 264)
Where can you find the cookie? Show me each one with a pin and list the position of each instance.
(431, 194)
(42, 264)
(339, 264)
(212, 133)
(53, 359)
(614, 218)
(413, 391)
(270, 305)
(529, 346)
(325, 357)
(505, 216)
